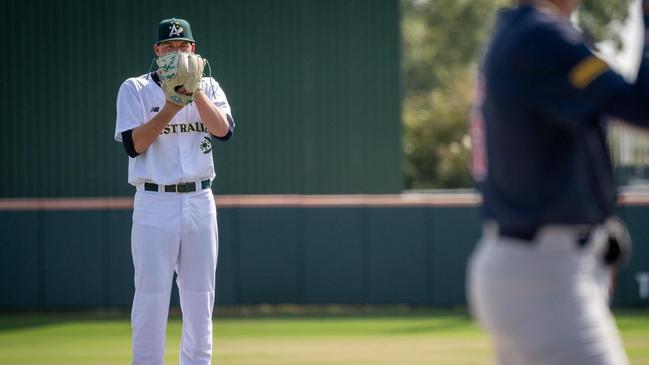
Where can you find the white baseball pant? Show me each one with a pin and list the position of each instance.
(173, 232)
(542, 302)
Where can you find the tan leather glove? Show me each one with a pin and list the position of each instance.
(180, 76)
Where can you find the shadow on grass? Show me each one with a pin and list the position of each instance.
(446, 318)
(288, 311)
(439, 326)
(21, 320)
(18, 320)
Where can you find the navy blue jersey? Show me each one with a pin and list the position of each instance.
(539, 124)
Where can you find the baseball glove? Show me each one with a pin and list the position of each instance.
(620, 246)
(178, 71)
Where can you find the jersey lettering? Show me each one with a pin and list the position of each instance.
(184, 128)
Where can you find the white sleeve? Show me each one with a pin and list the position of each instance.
(217, 96)
(129, 112)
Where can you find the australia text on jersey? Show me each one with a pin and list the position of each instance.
(184, 128)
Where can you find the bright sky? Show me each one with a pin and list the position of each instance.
(627, 62)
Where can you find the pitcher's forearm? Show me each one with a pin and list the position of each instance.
(146, 134)
(214, 119)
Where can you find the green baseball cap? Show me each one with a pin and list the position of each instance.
(174, 29)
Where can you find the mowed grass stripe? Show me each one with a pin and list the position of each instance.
(291, 340)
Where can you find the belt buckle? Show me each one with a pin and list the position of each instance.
(185, 187)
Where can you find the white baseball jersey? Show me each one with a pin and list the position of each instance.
(183, 151)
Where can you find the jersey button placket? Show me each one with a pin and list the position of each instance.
(182, 148)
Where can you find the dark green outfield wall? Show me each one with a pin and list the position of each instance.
(637, 218)
(345, 255)
(313, 85)
(303, 255)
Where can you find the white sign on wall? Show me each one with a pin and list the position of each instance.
(643, 284)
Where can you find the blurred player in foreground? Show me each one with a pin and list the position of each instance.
(542, 165)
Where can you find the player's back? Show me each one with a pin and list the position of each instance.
(540, 145)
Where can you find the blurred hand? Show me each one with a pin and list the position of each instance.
(181, 90)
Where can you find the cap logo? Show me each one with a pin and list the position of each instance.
(176, 30)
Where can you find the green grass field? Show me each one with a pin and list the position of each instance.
(364, 338)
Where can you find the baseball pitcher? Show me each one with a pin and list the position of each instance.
(167, 121)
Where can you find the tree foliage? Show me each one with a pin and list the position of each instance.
(442, 42)
(601, 19)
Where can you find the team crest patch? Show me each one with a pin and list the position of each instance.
(206, 145)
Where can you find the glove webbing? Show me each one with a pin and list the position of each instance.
(209, 73)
